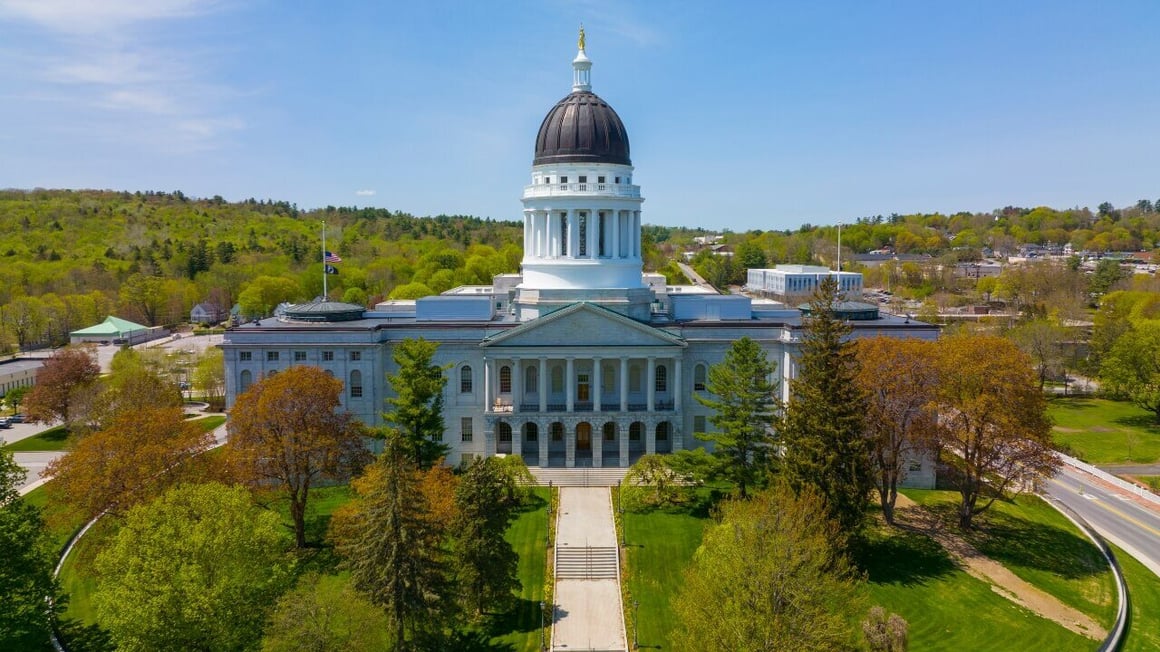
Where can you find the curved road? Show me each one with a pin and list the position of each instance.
(1119, 518)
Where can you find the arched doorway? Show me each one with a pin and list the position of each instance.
(504, 438)
(610, 443)
(664, 437)
(635, 441)
(584, 444)
(531, 443)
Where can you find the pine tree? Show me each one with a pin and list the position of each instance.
(486, 564)
(745, 405)
(822, 433)
(418, 401)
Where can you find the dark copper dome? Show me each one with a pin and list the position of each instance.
(582, 128)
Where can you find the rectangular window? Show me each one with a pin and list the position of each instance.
(465, 432)
(583, 219)
(355, 356)
(563, 179)
(617, 180)
(699, 423)
(583, 179)
(245, 356)
(299, 356)
(328, 356)
(271, 356)
(356, 391)
(915, 465)
(599, 179)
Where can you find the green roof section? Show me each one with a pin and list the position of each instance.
(111, 326)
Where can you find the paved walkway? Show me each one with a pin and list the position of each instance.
(588, 611)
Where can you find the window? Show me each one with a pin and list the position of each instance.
(356, 384)
(616, 180)
(634, 379)
(699, 423)
(557, 379)
(465, 429)
(246, 380)
(915, 465)
(505, 432)
(583, 220)
(465, 379)
(271, 356)
(245, 356)
(563, 179)
(662, 431)
(610, 431)
(601, 249)
(583, 179)
(299, 356)
(607, 380)
(563, 234)
(699, 373)
(531, 432)
(662, 379)
(599, 179)
(505, 379)
(557, 431)
(531, 380)
(328, 356)
(634, 431)
(547, 179)
(355, 356)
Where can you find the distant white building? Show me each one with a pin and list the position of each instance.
(795, 282)
(208, 312)
(18, 373)
(580, 360)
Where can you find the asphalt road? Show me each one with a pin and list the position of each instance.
(1116, 516)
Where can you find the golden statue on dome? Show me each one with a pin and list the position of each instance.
(581, 41)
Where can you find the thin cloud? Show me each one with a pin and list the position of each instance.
(94, 16)
(365, 193)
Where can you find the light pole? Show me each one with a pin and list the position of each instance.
(620, 509)
(548, 529)
(543, 643)
(635, 619)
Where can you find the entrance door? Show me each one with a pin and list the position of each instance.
(584, 437)
(582, 385)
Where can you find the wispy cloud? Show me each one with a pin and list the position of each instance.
(94, 16)
(365, 193)
(614, 17)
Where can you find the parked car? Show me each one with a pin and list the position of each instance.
(4, 423)
(16, 418)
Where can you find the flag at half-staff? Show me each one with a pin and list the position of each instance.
(329, 257)
(330, 269)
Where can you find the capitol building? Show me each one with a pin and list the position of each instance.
(581, 359)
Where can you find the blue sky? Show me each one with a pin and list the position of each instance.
(741, 115)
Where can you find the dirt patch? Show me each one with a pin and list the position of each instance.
(914, 516)
(1063, 429)
(1102, 429)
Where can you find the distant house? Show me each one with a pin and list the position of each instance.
(208, 312)
(115, 330)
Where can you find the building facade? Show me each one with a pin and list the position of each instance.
(579, 360)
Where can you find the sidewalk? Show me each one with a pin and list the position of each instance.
(588, 613)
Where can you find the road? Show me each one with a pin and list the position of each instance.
(1117, 517)
(692, 275)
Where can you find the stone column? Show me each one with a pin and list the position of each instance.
(593, 225)
(517, 385)
(488, 365)
(573, 233)
(489, 438)
(651, 384)
(548, 251)
(675, 388)
(597, 445)
(569, 444)
(615, 234)
(570, 385)
(542, 380)
(596, 384)
(623, 383)
(650, 437)
(677, 435)
(542, 441)
(622, 439)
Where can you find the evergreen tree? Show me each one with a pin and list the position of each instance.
(418, 401)
(745, 405)
(485, 562)
(823, 429)
(25, 567)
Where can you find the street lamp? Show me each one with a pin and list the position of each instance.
(548, 530)
(543, 643)
(635, 620)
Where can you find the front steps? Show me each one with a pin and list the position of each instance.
(585, 477)
(586, 563)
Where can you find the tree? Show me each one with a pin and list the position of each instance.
(485, 563)
(1108, 272)
(146, 295)
(885, 634)
(197, 569)
(742, 396)
(1042, 339)
(768, 577)
(25, 567)
(899, 378)
(15, 397)
(325, 614)
(209, 378)
(286, 433)
(135, 458)
(417, 405)
(750, 255)
(25, 318)
(265, 293)
(651, 480)
(1132, 367)
(67, 371)
(992, 420)
(824, 432)
(393, 546)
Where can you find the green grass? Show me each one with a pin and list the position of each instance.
(661, 542)
(1100, 431)
(209, 423)
(1144, 618)
(1152, 481)
(1042, 547)
(520, 629)
(53, 439)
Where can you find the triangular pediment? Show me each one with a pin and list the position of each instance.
(584, 324)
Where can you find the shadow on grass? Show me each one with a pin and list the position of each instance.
(1020, 542)
(524, 616)
(1071, 403)
(902, 557)
(1145, 422)
(78, 637)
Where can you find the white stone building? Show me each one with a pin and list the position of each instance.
(793, 282)
(580, 359)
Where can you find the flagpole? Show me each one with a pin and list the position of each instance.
(324, 291)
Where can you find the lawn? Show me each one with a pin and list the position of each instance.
(53, 439)
(1041, 546)
(521, 629)
(1100, 431)
(1144, 618)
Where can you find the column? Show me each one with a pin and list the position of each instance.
(650, 383)
(548, 251)
(650, 437)
(636, 233)
(573, 233)
(596, 384)
(615, 234)
(488, 368)
(623, 384)
(569, 444)
(597, 445)
(542, 390)
(542, 442)
(570, 384)
(593, 226)
(517, 387)
(622, 438)
(676, 388)
(528, 231)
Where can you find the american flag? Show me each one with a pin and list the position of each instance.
(331, 258)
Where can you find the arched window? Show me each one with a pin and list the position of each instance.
(557, 431)
(505, 379)
(662, 379)
(557, 379)
(531, 431)
(662, 431)
(531, 380)
(505, 432)
(635, 430)
(465, 379)
(610, 431)
(699, 374)
(247, 379)
(356, 386)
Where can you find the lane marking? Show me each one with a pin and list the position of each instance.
(1116, 512)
